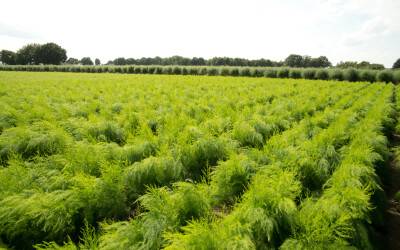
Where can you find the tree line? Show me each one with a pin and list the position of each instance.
(35, 54)
(51, 53)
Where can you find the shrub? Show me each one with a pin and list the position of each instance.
(396, 76)
(337, 75)
(385, 76)
(224, 71)
(212, 71)
(283, 73)
(351, 75)
(177, 70)
(309, 74)
(295, 74)
(322, 74)
(368, 76)
(193, 71)
(234, 71)
(244, 72)
(271, 73)
(203, 71)
(257, 73)
(158, 70)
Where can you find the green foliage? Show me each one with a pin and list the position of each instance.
(138, 152)
(270, 73)
(27, 55)
(50, 53)
(107, 132)
(295, 74)
(165, 211)
(337, 75)
(86, 61)
(322, 74)
(247, 135)
(202, 154)
(368, 76)
(38, 216)
(152, 171)
(385, 76)
(8, 57)
(230, 179)
(396, 64)
(351, 75)
(309, 74)
(118, 161)
(28, 143)
(283, 73)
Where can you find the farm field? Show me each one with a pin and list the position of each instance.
(114, 161)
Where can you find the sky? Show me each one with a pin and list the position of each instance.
(342, 30)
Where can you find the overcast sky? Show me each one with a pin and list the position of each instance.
(340, 29)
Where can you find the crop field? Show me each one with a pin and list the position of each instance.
(117, 161)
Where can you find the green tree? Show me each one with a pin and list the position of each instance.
(50, 53)
(28, 54)
(8, 57)
(294, 61)
(320, 62)
(396, 65)
(72, 60)
(119, 61)
(86, 61)
(97, 61)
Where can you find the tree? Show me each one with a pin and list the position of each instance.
(320, 62)
(198, 61)
(130, 61)
(376, 66)
(396, 65)
(119, 61)
(28, 54)
(360, 65)
(72, 60)
(97, 61)
(294, 61)
(8, 57)
(86, 61)
(50, 53)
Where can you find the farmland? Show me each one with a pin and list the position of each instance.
(118, 161)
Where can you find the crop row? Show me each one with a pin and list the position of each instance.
(81, 195)
(174, 210)
(264, 217)
(352, 75)
(139, 161)
(228, 181)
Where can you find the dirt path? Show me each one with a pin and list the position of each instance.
(392, 215)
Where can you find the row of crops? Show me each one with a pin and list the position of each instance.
(352, 75)
(109, 161)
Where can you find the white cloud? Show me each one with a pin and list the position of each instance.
(371, 29)
(15, 32)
